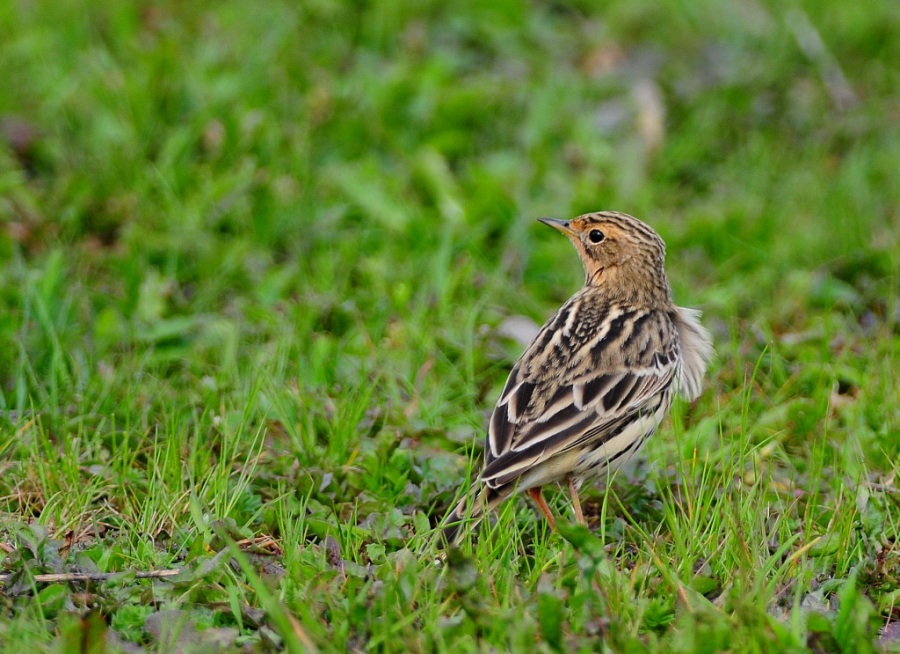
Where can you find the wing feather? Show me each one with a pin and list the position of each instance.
(571, 387)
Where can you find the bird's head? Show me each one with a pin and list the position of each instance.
(620, 253)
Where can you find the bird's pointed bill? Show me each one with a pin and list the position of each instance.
(561, 225)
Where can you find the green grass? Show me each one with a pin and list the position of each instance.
(252, 268)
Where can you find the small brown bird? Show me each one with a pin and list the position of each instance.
(599, 377)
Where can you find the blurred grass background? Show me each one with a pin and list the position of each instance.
(256, 270)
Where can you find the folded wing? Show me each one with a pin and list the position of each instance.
(612, 373)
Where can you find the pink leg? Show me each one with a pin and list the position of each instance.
(538, 496)
(576, 502)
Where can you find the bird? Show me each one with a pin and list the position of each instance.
(596, 381)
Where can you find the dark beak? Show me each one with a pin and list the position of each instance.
(561, 225)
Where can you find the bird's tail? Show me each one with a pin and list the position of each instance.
(469, 511)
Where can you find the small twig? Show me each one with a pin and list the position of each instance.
(813, 46)
(14, 415)
(884, 488)
(64, 577)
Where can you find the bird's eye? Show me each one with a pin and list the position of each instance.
(596, 236)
